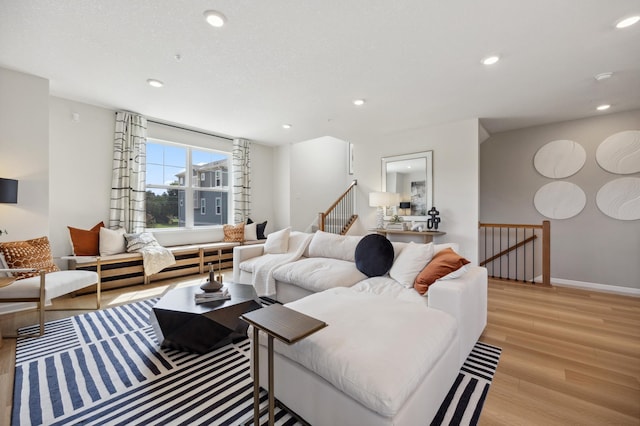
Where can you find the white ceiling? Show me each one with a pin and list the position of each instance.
(416, 62)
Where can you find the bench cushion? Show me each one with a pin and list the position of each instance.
(56, 283)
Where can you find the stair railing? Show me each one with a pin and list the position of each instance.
(342, 214)
(511, 253)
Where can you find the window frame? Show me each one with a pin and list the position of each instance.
(191, 187)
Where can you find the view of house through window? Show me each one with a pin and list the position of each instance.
(171, 189)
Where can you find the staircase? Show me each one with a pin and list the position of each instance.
(517, 252)
(342, 214)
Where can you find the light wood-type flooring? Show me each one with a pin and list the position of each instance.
(569, 357)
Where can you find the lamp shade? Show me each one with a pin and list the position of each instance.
(8, 191)
(383, 199)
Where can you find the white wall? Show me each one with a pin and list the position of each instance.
(281, 191)
(262, 185)
(64, 166)
(456, 173)
(80, 155)
(80, 174)
(319, 175)
(24, 153)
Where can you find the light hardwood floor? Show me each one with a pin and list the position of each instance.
(569, 357)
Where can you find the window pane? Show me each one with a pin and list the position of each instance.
(165, 163)
(208, 188)
(206, 216)
(213, 168)
(162, 208)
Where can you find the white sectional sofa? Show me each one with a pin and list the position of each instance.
(389, 355)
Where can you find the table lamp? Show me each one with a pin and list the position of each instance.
(381, 200)
(404, 205)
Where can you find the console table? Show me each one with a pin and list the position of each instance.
(426, 235)
(284, 324)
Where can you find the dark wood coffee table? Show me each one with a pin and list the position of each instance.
(181, 324)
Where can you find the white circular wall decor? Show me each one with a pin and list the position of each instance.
(620, 198)
(559, 159)
(620, 153)
(560, 200)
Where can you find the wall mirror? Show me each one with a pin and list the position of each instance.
(411, 176)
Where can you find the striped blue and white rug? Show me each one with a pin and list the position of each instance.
(105, 368)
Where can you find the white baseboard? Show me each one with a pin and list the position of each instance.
(605, 288)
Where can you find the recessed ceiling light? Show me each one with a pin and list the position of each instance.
(215, 18)
(286, 126)
(603, 76)
(155, 83)
(490, 60)
(627, 22)
(603, 107)
(358, 102)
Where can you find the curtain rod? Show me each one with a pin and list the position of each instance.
(190, 130)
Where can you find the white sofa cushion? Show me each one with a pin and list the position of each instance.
(342, 352)
(411, 260)
(277, 242)
(325, 244)
(318, 273)
(390, 288)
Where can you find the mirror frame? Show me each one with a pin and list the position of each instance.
(428, 156)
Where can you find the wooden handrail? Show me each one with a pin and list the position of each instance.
(509, 250)
(341, 197)
(545, 227)
(344, 226)
(510, 225)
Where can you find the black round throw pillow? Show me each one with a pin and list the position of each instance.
(374, 255)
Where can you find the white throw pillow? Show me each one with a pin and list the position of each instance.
(251, 232)
(333, 246)
(277, 242)
(112, 241)
(456, 274)
(411, 260)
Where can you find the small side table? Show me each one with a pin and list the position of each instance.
(284, 324)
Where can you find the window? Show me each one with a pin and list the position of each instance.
(170, 188)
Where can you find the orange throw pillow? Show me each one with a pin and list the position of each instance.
(234, 233)
(443, 263)
(34, 253)
(85, 242)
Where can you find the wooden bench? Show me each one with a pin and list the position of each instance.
(126, 269)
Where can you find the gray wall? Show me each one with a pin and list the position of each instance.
(588, 248)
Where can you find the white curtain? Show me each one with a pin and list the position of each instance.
(241, 164)
(128, 183)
